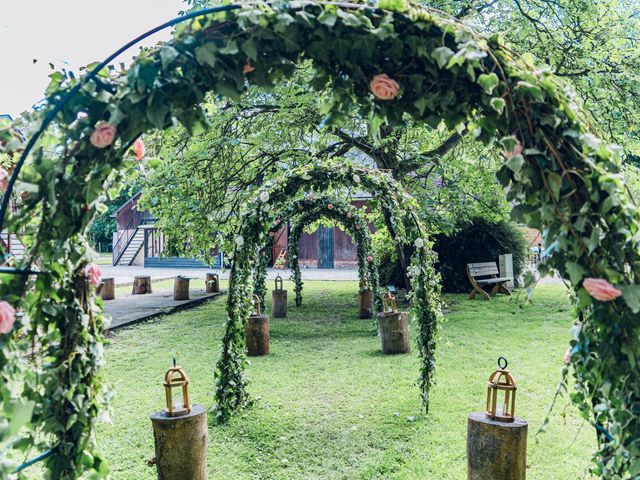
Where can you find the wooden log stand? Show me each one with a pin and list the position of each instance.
(141, 285)
(181, 444)
(256, 332)
(212, 283)
(279, 300)
(393, 327)
(108, 289)
(496, 450)
(366, 303)
(181, 288)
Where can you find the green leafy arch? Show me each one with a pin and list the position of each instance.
(560, 176)
(305, 211)
(259, 218)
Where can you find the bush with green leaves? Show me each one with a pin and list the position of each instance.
(478, 240)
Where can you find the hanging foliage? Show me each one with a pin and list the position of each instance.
(382, 64)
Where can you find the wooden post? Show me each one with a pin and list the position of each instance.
(212, 283)
(257, 335)
(394, 332)
(496, 450)
(181, 288)
(108, 289)
(279, 300)
(181, 444)
(366, 303)
(141, 285)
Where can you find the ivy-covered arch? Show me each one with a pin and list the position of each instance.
(305, 211)
(417, 62)
(258, 219)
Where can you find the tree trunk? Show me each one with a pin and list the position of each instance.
(107, 289)
(212, 283)
(394, 332)
(404, 264)
(141, 285)
(181, 288)
(279, 304)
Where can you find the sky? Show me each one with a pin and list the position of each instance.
(69, 34)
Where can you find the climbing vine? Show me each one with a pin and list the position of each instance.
(258, 219)
(382, 65)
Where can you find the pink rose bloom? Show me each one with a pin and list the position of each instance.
(139, 149)
(277, 222)
(94, 274)
(103, 135)
(383, 87)
(7, 317)
(271, 234)
(517, 150)
(369, 259)
(567, 356)
(358, 227)
(4, 179)
(349, 215)
(248, 68)
(330, 206)
(600, 289)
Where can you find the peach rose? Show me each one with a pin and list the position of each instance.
(103, 135)
(94, 274)
(248, 68)
(139, 149)
(369, 259)
(277, 222)
(567, 356)
(4, 180)
(330, 206)
(358, 227)
(271, 234)
(349, 215)
(7, 317)
(600, 289)
(384, 87)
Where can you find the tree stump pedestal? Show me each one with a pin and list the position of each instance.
(365, 303)
(257, 335)
(141, 285)
(181, 288)
(496, 450)
(108, 289)
(212, 283)
(394, 332)
(279, 304)
(181, 444)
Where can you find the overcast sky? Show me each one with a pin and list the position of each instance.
(67, 33)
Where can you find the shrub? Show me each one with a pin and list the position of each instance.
(478, 240)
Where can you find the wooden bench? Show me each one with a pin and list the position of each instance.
(483, 275)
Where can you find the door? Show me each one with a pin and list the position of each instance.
(325, 247)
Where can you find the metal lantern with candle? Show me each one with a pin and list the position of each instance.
(176, 378)
(501, 385)
(279, 300)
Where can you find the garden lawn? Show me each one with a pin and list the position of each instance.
(331, 406)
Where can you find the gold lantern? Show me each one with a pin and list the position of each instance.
(501, 381)
(176, 378)
(389, 304)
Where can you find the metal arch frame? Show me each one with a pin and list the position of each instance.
(92, 75)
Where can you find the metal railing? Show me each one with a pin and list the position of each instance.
(138, 218)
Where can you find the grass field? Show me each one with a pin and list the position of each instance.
(331, 406)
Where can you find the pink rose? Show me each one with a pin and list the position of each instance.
(4, 179)
(139, 149)
(272, 234)
(94, 274)
(330, 206)
(567, 356)
(358, 227)
(369, 259)
(7, 317)
(600, 289)
(277, 222)
(349, 215)
(103, 135)
(517, 150)
(384, 87)
(248, 68)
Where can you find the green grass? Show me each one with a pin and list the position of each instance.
(104, 259)
(167, 286)
(331, 406)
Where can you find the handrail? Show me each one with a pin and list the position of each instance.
(129, 232)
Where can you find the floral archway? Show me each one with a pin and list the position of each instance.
(384, 64)
(305, 211)
(259, 217)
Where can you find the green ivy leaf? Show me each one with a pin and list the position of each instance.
(631, 296)
(515, 163)
(498, 104)
(488, 81)
(575, 271)
(393, 5)
(442, 55)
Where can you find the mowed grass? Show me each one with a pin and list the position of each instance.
(331, 406)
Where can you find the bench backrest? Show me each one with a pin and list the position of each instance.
(484, 269)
